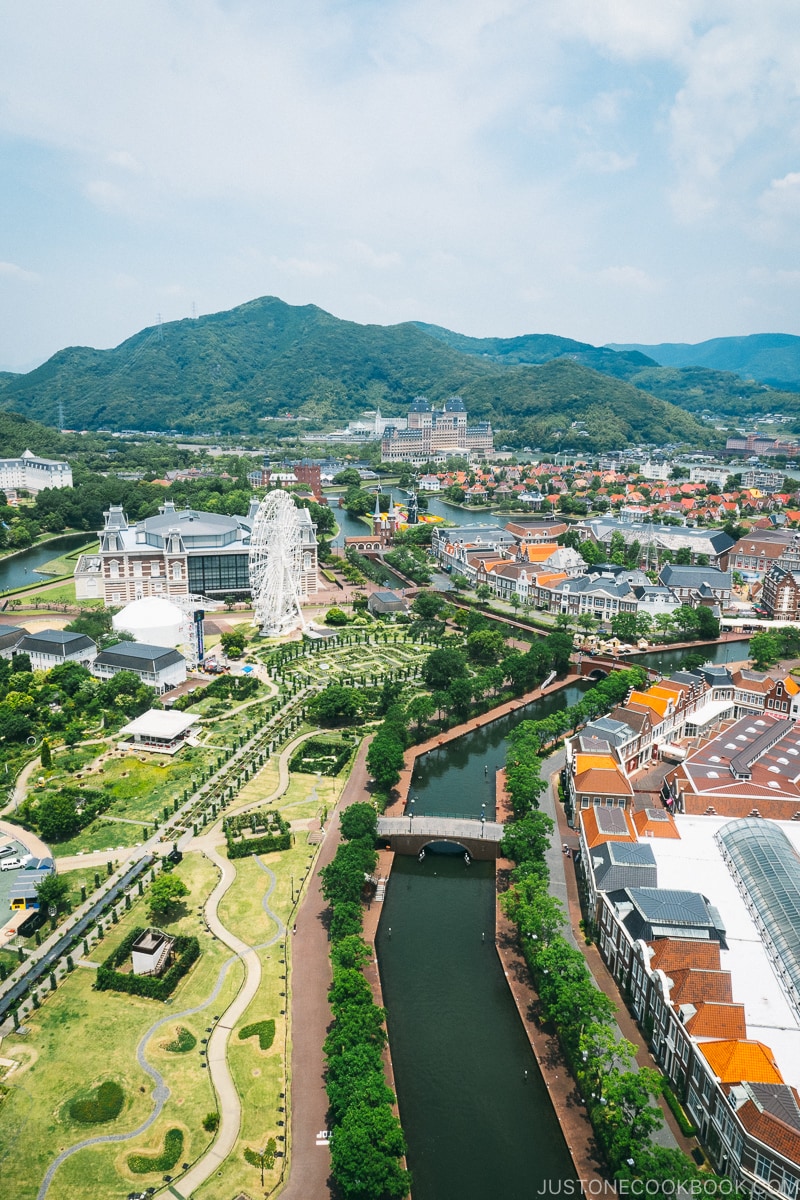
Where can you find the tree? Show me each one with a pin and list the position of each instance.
(528, 838)
(765, 649)
(460, 693)
(441, 667)
(165, 895)
(623, 626)
(483, 592)
(358, 821)
(385, 759)
(420, 710)
(57, 818)
(428, 604)
(366, 1153)
(47, 757)
(52, 891)
(485, 646)
(233, 643)
(335, 616)
(348, 478)
(335, 705)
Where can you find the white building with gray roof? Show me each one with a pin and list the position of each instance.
(160, 667)
(51, 647)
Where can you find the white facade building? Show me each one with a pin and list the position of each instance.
(29, 473)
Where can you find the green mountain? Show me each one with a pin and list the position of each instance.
(772, 358)
(229, 371)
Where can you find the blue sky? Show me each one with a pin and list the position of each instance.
(608, 170)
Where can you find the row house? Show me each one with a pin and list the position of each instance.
(747, 1117)
(698, 585)
(780, 594)
(757, 692)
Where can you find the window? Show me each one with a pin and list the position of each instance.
(176, 571)
(155, 569)
(137, 570)
(113, 569)
(762, 1167)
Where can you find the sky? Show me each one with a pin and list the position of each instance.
(606, 170)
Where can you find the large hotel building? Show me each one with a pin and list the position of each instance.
(434, 434)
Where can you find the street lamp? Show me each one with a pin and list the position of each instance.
(411, 813)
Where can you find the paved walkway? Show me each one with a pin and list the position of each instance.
(309, 1163)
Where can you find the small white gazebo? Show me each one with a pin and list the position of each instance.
(159, 731)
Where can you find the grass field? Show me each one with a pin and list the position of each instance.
(80, 1038)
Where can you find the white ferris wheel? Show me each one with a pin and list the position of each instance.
(276, 565)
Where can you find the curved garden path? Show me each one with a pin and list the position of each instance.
(228, 1097)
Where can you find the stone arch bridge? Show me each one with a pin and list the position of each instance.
(412, 834)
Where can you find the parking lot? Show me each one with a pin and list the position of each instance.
(7, 878)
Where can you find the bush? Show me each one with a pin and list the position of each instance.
(145, 1164)
(265, 1031)
(183, 1042)
(187, 951)
(317, 754)
(211, 1122)
(684, 1124)
(104, 1104)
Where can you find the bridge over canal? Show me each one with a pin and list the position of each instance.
(410, 835)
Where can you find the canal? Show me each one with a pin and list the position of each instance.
(474, 1107)
(20, 570)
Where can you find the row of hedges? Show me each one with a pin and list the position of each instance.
(367, 1143)
(186, 949)
(224, 687)
(326, 757)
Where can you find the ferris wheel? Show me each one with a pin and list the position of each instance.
(276, 564)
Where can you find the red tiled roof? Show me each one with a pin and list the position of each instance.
(674, 954)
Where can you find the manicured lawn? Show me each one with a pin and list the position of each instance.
(80, 1038)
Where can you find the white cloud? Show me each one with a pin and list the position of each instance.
(9, 270)
(629, 278)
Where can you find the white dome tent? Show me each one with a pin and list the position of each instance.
(151, 620)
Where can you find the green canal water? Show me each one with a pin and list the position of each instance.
(475, 1111)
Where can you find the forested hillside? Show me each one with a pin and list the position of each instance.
(229, 371)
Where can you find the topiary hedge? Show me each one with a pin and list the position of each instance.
(259, 845)
(182, 1043)
(265, 1031)
(145, 1164)
(316, 754)
(186, 949)
(104, 1104)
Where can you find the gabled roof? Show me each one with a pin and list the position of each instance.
(674, 954)
(655, 823)
(738, 1060)
(771, 1113)
(693, 985)
(714, 1020)
(136, 656)
(606, 824)
(56, 642)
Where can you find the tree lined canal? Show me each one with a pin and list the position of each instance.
(474, 1107)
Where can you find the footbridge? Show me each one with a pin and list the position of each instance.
(413, 834)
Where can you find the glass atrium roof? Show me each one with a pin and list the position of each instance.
(766, 867)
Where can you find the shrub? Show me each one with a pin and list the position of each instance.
(183, 1042)
(675, 1107)
(187, 951)
(265, 1031)
(145, 1164)
(104, 1104)
(211, 1122)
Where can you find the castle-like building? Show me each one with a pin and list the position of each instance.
(434, 434)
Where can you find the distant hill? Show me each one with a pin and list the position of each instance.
(772, 358)
(227, 371)
(537, 348)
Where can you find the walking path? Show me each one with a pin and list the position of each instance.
(309, 1162)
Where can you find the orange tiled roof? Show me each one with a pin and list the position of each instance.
(673, 954)
(741, 1061)
(549, 580)
(714, 1020)
(594, 836)
(603, 782)
(693, 986)
(658, 704)
(662, 825)
(540, 551)
(584, 762)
